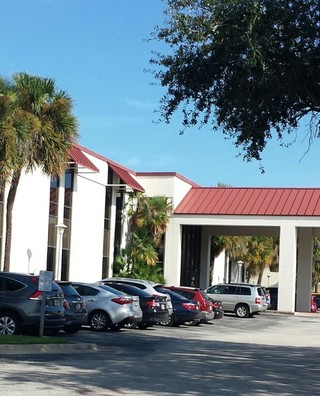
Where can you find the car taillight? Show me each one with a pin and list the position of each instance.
(257, 300)
(188, 305)
(66, 304)
(37, 295)
(152, 304)
(122, 300)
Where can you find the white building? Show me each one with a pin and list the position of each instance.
(74, 226)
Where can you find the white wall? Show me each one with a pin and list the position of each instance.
(30, 224)
(87, 230)
(164, 185)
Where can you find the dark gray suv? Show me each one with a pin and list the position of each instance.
(20, 304)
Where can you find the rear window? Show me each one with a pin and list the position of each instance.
(86, 290)
(12, 285)
(68, 290)
(260, 291)
(111, 290)
(129, 289)
(245, 291)
(185, 293)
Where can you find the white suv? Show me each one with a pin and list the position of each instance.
(143, 284)
(244, 299)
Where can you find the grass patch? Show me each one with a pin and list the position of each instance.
(26, 339)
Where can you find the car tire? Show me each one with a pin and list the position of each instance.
(130, 325)
(169, 323)
(242, 311)
(9, 323)
(99, 321)
(192, 323)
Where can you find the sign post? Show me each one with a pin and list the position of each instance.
(45, 285)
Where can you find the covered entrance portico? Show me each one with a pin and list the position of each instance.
(295, 232)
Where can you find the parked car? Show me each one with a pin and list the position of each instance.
(153, 308)
(314, 307)
(20, 304)
(75, 308)
(106, 309)
(273, 292)
(217, 307)
(317, 299)
(196, 294)
(243, 299)
(143, 284)
(184, 310)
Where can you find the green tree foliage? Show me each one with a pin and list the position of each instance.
(37, 129)
(250, 68)
(149, 217)
(257, 253)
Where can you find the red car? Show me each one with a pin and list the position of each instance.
(196, 294)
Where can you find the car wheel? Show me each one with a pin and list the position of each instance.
(242, 311)
(9, 323)
(99, 321)
(192, 323)
(169, 322)
(130, 325)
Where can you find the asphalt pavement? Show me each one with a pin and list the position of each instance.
(269, 354)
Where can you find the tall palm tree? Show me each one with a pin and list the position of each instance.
(37, 129)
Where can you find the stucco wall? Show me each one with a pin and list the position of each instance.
(30, 224)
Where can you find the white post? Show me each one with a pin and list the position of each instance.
(240, 263)
(60, 230)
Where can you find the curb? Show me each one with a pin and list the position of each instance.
(17, 349)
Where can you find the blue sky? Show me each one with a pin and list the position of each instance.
(96, 51)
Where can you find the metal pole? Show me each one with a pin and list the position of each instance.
(43, 304)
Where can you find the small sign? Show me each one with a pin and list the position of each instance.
(45, 281)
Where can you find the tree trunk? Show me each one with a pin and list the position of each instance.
(260, 277)
(10, 203)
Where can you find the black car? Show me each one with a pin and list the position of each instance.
(184, 310)
(218, 310)
(153, 308)
(20, 304)
(74, 307)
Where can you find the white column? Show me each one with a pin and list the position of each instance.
(172, 253)
(205, 258)
(304, 270)
(287, 268)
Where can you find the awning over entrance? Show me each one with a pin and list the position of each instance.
(251, 201)
(126, 177)
(77, 156)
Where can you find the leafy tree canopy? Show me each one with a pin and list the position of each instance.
(250, 68)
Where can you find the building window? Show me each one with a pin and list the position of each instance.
(53, 221)
(67, 214)
(107, 226)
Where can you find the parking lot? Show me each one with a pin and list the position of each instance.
(269, 354)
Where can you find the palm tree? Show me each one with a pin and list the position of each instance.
(37, 129)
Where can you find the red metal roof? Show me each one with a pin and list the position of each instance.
(121, 171)
(126, 177)
(80, 159)
(251, 201)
